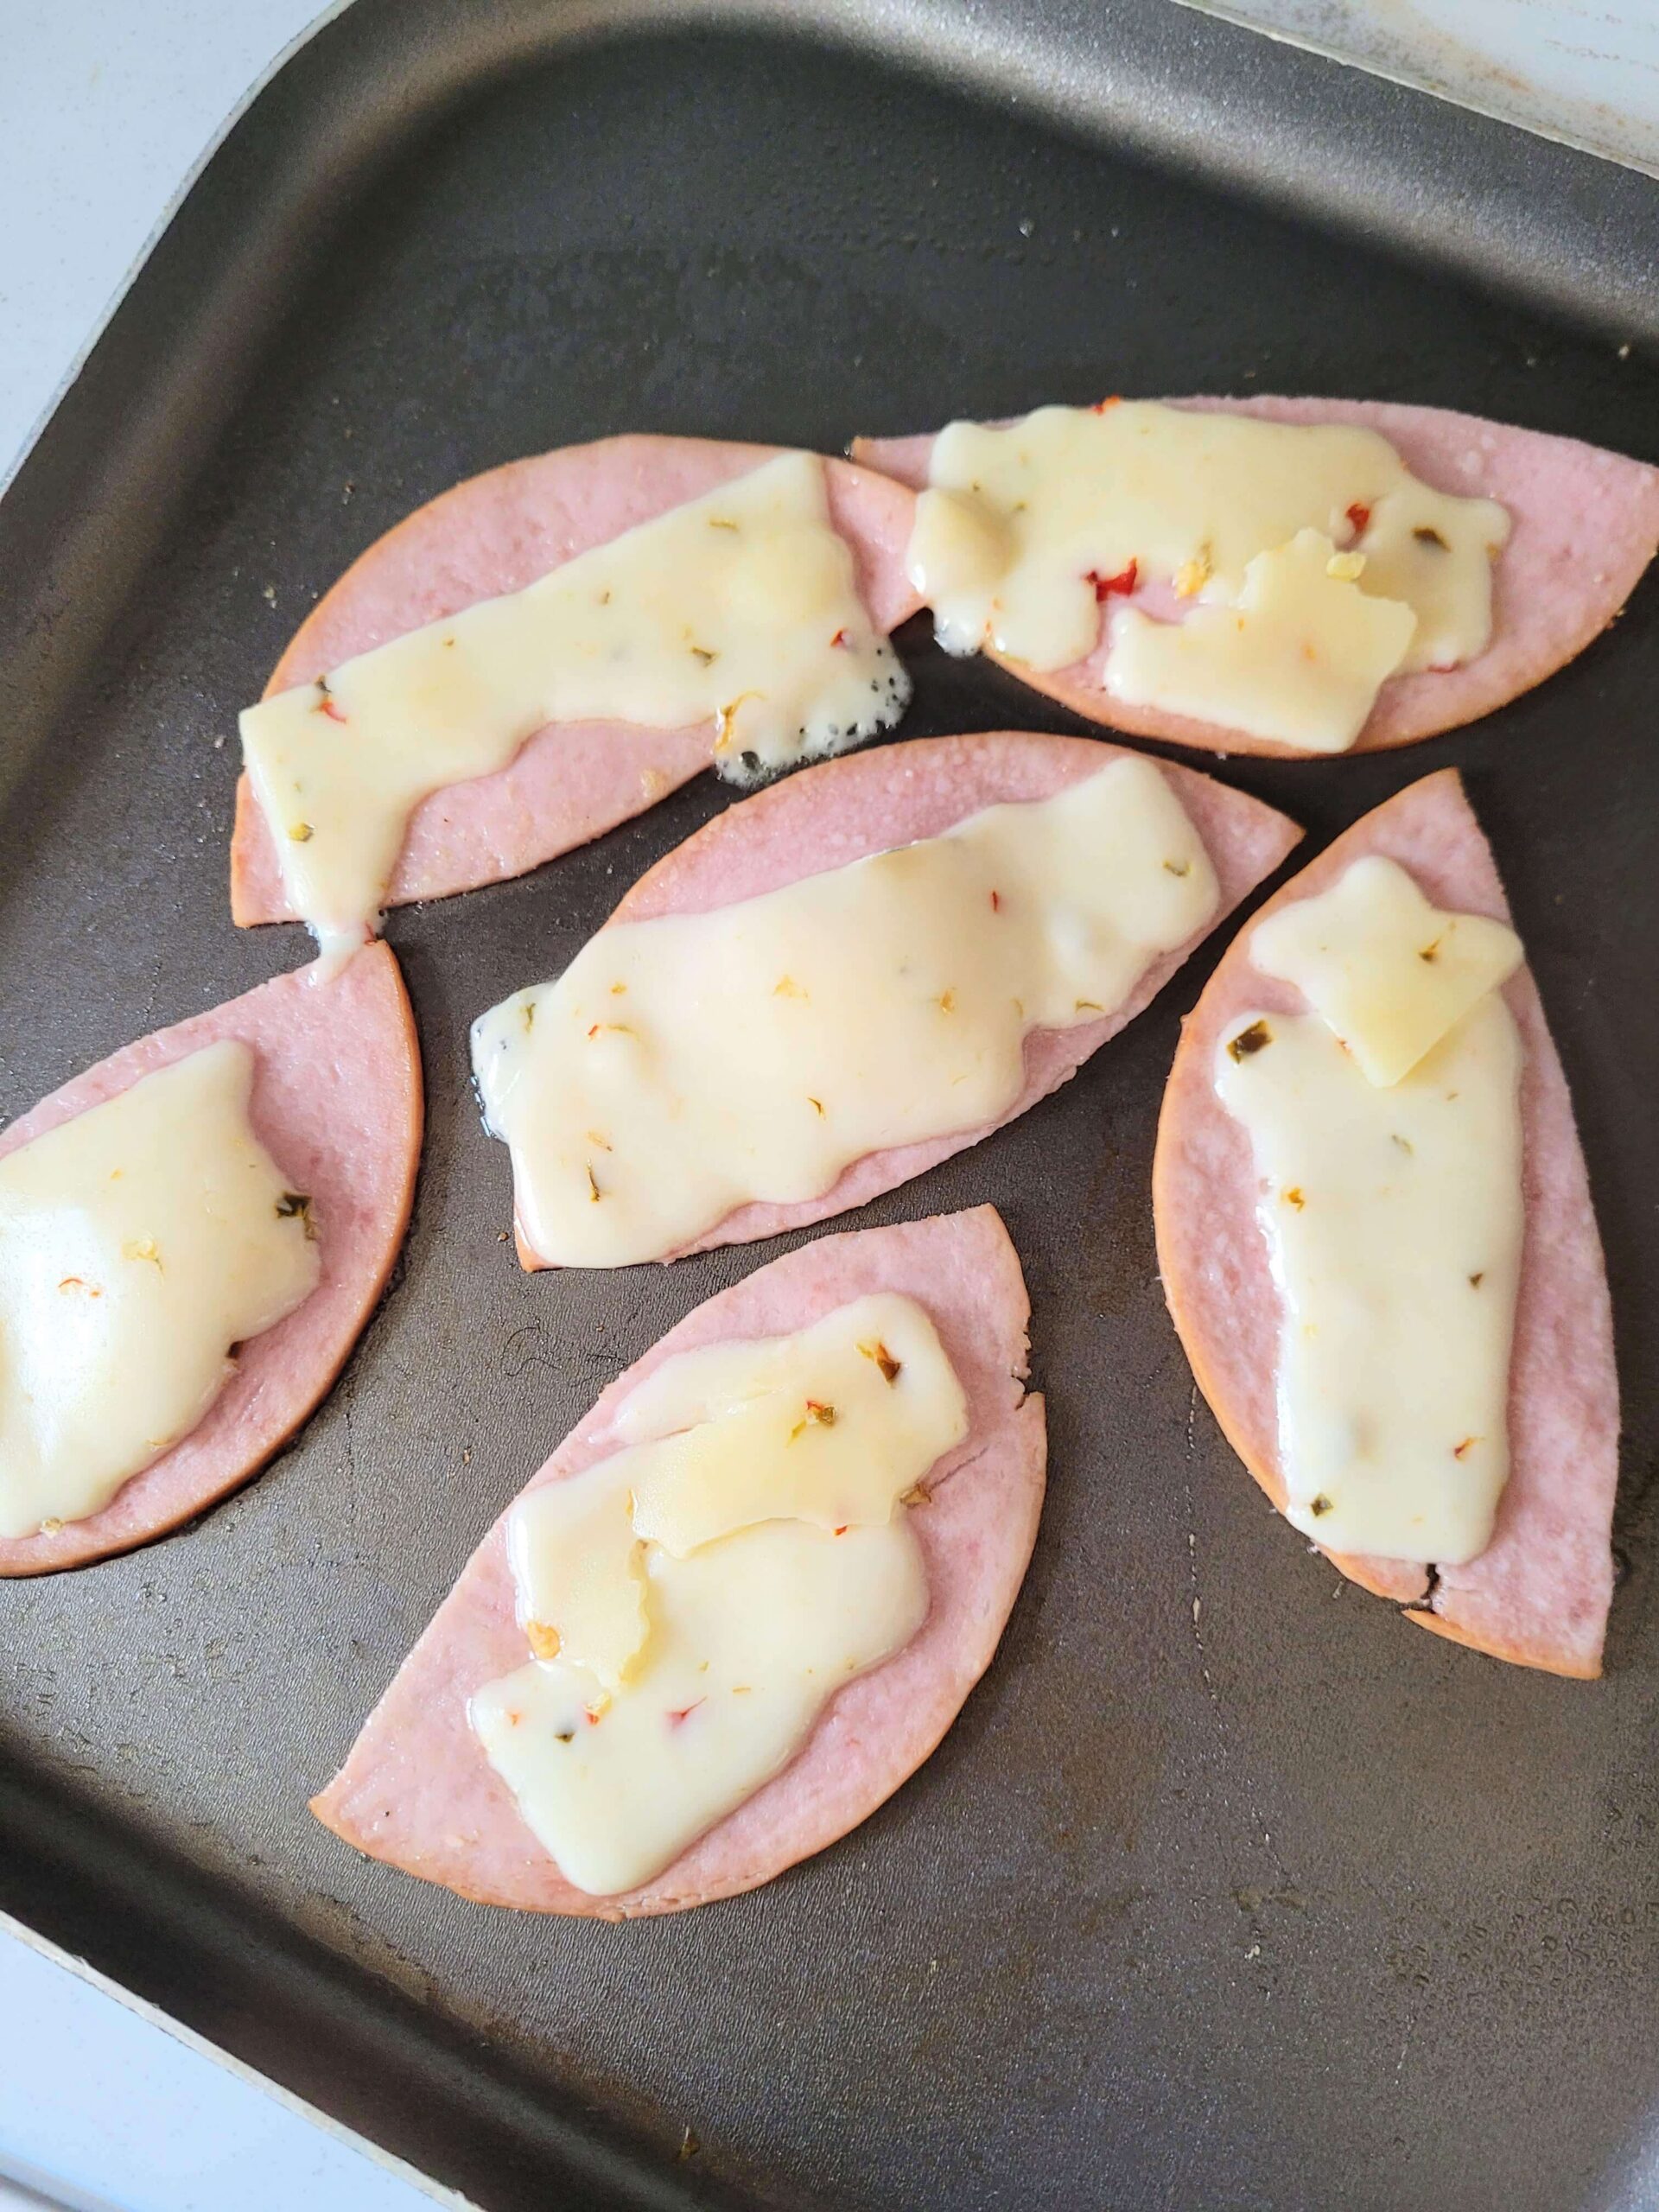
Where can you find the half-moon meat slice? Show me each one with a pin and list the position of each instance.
(849, 977)
(1507, 1173)
(469, 575)
(1390, 513)
(315, 1081)
(419, 1789)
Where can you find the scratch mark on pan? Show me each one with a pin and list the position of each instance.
(1192, 1552)
(1258, 1826)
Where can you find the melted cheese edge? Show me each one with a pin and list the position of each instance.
(740, 609)
(1025, 530)
(1393, 1214)
(695, 1599)
(682, 1067)
(140, 1242)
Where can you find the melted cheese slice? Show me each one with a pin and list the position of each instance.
(140, 1242)
(1299, 656)
(1385, 1126)
(683, 1067)
(739, 609)
(765, 1606)
(1021, 527)
(1394, 1219)
(753, 1636)
(1389, 971)
(772, 1447)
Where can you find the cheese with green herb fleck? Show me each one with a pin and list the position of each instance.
(1388, 970)
(1297, 656)
(682, 1067)
(1391, 1199)
(1316, 565)
(691, 1602)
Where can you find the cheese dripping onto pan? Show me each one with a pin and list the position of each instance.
(1385, 1128)
(690, 1603)
(739, 609)
(1280, 572)
(683, 1067)
(140, 1242)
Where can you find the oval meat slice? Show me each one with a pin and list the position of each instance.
(498, 533)
(839, 811)
(417, 1789)
(336, 1100)
(1539, 1594)
(1586, 523)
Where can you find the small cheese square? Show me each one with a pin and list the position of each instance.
(1299, 657)
(1386, 970)
(832, 1428)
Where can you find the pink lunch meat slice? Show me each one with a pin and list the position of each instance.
(497, 533)
(336, 1102)
(1540, 1592)
(417, 1789)
(837, 813)
(1586, 523)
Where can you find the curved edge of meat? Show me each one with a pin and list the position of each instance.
(498, 533)
(337, 1102)
(1539, 1595)
(1586, 526)
(839, 811)
(416, 1790)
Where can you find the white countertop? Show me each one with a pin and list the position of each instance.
(106, 2106)
(108, 108)
(1583, 70)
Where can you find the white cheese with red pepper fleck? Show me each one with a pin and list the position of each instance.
(140, 1242)
(693, 1600)
(1394, 1216)
(682, 1067)
(1025, 531)
(739, 609)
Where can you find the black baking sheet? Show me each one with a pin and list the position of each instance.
(1228, 1889)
